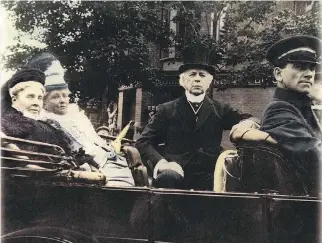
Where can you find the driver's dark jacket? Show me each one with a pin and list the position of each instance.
(194, 145)
(290, 121)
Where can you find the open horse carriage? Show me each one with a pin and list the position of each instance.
(255, 199)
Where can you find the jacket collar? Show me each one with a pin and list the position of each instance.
(205, 111)
(303, 103)
(298, 99)
(195, 99)
(185, 111)
(187, 115)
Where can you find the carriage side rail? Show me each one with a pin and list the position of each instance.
(8, 139)
(35, 162)
(25, 152)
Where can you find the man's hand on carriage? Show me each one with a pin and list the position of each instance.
(243, 127)
(164, 165)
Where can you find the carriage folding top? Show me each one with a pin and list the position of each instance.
(45, 198)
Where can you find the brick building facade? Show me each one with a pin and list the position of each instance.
(251, 100)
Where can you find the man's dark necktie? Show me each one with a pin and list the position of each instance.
(195, 105)
(196, 108)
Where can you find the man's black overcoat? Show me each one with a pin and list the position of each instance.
(195, 145)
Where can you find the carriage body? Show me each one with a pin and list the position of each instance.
(86, 213)
(38, 209)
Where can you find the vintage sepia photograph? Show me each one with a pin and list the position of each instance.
(161, 121)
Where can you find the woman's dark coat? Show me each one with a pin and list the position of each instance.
(14, 124)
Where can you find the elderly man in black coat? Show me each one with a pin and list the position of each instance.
(191, 128)
(289, 118)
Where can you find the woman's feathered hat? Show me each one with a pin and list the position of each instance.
(53, 70)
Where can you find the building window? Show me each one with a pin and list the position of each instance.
(165, 53)
(300, 7)
(258, 81)
(167, 17)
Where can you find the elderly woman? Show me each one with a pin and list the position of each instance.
(75, 123)
(22, 102)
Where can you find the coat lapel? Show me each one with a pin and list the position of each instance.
(184, 110)
(205, 111)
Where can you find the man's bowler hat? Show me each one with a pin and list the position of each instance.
(295, 49)
(197, 56)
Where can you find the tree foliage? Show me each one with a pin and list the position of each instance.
(102, 44)
(107, 44)
(249, 28)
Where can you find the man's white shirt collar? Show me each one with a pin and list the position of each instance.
(195, 99)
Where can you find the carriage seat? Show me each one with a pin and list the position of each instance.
(139, 171)
(256, 166)
(54, 165)
(50, 165)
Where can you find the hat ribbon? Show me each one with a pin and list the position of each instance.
(295, 50)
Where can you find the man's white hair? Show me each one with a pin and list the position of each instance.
(183, 77)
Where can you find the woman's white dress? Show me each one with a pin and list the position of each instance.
(78, 127)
